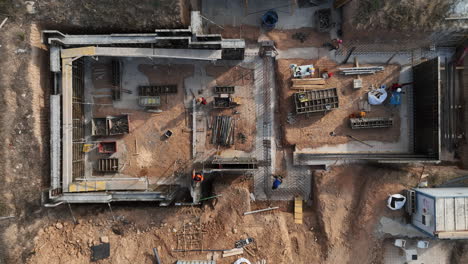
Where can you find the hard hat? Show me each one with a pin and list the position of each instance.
(340, 41)
(398, 90)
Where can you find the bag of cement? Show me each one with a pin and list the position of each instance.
(377, 97)
(396, 201)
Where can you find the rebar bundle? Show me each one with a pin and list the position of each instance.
(223, 130)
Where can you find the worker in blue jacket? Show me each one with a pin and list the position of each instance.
(277, 182)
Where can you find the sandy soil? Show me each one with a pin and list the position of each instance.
(338, 226)
(314, 130)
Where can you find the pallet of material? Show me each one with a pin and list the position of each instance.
(297, 82)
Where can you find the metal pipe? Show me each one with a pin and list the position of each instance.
(53, 205)
(261, 210)
(156, 255)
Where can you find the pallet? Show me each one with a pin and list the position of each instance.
(298, 216)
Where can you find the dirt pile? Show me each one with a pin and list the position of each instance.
(350, 202)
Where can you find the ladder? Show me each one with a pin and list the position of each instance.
(298, 210)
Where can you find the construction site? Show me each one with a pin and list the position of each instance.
(325, 131)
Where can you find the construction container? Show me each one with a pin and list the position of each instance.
(110, 126)
(107, 147)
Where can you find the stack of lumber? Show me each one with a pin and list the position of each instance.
(233, 252)
(308, 84)
(298, 210)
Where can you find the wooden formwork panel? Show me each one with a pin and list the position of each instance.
(108, 165)
(316, 101)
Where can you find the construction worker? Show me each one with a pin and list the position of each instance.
(202, 101)
(277, 182)
(197, 177)
(334, 45)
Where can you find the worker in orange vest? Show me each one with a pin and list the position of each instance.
(197, 177)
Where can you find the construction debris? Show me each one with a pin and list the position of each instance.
(261, 210)
(225, 100)
(223, 131)
(361, 70)
(244, 242)
(110, 126)
(99, 252)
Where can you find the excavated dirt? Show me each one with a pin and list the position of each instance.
(339, 225)
(314, 130)
(135, 232)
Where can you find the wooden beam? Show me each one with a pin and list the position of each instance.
(297, 82)
(307, 87)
